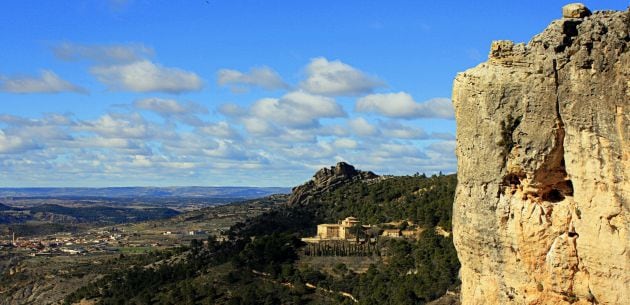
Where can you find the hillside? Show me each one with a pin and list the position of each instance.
(262, 260)
(92, 214)
(51, 218)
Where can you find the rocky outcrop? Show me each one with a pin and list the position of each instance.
(541, 214)
(327, 179)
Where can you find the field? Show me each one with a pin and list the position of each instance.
(41, 272)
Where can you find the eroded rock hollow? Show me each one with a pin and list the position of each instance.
(541, 213)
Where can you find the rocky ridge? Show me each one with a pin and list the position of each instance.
(327, 179)
(541, 213)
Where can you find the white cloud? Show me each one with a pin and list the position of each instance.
(445, 148)
(258, 126)
(228, 150)
(402, 105)
(126, 68)
(232, 110)
(263, 77)
(389, 129)
(277, 140)
(337, 78)
(15, 120)
(362, 127)
(145, 76)
(293, 118)
(41, 132)
(397, 150)
(291, 136)
(395, 129)
(220, 129)
(333, 130)
(180, 165)
(102, 53)
(14, 145)
(57, 119)
(187, 144)
(47, 82)
(22, 134)
(131, 149)
(141, 161)
(49, 120)
(167, 107)
(117, 126)
(345, 143)
(306, 154)
(296, 109)
(101, 142)
(172, 109)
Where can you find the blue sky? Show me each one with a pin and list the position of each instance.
(259, 93)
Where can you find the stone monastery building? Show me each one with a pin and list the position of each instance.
(342, 230)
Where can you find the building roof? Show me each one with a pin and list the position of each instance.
(328, 225)
(391, 231)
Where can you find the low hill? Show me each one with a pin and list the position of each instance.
(91, 214)
(104, 214)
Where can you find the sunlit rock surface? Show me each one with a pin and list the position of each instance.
(541, 210)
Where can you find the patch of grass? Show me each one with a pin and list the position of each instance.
(135, 250)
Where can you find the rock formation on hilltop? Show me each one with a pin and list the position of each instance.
(541, 213)
(327, 179)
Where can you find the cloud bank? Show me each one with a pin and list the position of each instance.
(276, 136)
(263, 77)
(402, 105)
(336, 78)
(145, 76)
(47, 82)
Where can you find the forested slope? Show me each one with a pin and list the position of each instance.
(258, 261)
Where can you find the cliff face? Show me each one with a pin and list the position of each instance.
(541, 213)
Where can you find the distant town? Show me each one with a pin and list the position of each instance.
(131, 238)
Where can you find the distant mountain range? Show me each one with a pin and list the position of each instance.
(159, 192)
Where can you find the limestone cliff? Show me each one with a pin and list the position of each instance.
(541, 214)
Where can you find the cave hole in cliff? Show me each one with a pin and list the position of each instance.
(511, 183)
(553, 195)
(569, 27)
(570, 30)
(512, 179)
(567, 186)
(558, 192)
